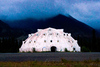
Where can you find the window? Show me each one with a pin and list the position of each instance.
(72, 41)
(68, 40)
(44, 34)
(34, 41)
(30, 41)
(45, 41)
(57, 40)
(49, 29)
(67, 34)
(57, 33)
(37, 34)
(51, 41)
(24, 42)
(74, 49)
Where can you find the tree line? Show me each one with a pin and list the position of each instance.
(89, 44)
(9, 44)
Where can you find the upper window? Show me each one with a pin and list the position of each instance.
(37, 34)
(57, 33)
(49, 29)
(72, 41)
(51, 41)
(24, 42)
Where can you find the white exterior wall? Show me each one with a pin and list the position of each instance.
(41, 41)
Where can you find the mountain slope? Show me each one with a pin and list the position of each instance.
(4, 29)
(69, 24)
(7, 31)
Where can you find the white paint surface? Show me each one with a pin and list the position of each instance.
(44, 39)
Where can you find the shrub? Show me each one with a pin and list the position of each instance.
(66, 50)
(23, 52)
(29, 52)
(85, 49)
(34, 50)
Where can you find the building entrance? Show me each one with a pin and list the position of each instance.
(53, 49)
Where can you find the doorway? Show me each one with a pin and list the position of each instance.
(53, 49)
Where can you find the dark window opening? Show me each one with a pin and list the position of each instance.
(24, 42)
(51, 41)
(74, 49)
(57, 33)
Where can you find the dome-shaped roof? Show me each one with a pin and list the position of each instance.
(45, 39)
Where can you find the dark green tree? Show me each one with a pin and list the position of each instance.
(93, 46)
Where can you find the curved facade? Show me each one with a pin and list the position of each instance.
(50, 39)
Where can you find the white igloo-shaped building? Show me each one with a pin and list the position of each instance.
(50, 39)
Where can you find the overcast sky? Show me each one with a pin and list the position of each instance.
(87, 11)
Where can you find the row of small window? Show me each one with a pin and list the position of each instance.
(51, 41)
(51, 34)
(44, 41)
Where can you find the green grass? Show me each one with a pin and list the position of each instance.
(62, 63)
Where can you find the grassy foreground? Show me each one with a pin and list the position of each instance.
(62, 63)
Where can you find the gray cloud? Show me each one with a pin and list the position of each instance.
(86, 11)
(29, 8)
